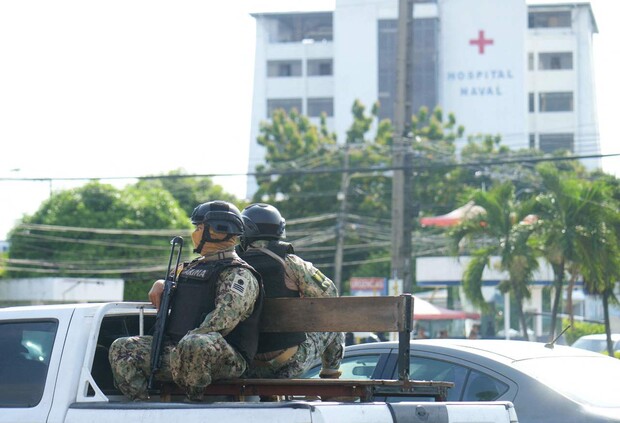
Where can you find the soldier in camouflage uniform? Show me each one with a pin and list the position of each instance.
(212, 331)
(284, 274)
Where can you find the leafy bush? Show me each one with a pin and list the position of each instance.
(616, 354)
(579, 329)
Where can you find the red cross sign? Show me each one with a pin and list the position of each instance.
(481, 42)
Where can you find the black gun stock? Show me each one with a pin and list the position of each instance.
(164, 310)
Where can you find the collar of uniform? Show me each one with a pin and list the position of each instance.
(260, 243)
(220, 255)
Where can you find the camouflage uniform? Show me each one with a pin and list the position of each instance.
(201, 356)
(327, 346)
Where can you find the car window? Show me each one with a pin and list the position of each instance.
(25, 350)
(469, 385)
(429, 369)
(482, 387)
(596, 345)
(352, 367)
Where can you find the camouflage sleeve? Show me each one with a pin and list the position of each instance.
(236, 294)
(310, 281)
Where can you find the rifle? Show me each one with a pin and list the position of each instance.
(164, 310)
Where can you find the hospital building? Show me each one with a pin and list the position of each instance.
(522, 70)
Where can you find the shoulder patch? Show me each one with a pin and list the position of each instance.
(238, 286)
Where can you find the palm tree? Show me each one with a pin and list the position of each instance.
(599, 252)
(501, 232)
(564, 209)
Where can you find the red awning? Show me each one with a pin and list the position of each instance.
(424, 310)
(454, 217)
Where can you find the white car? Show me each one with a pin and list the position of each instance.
(597, 342)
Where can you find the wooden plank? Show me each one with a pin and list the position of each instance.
(364, 389)
(341, 314)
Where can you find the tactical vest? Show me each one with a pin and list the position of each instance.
(272, 272)
(194, 299)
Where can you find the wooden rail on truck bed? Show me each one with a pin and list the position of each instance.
(339, 314)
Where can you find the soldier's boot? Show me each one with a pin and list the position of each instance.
(330, 374)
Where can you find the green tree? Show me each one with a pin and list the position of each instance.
(312, 180)
(312, 184)
(433, 136)
(190, 191)
(3, 258)
(295, 146)
(500, 231)
(98, 231)
(492, 162)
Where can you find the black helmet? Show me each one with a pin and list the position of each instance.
(263, 221)
(221, 216)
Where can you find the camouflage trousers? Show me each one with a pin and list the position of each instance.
(193, 363)
(325, 346)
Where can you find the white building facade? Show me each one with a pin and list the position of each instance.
(522, 71)
(441, 272)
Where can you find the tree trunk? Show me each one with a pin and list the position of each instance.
(610, 347)
(558, 282)
(519, 301)
(569, 294)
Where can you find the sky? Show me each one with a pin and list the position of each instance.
(125, 88)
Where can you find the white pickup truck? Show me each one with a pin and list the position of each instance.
(54, 368)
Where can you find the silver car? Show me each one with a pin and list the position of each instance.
(556, 384)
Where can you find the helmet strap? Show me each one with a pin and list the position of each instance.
(206, 237)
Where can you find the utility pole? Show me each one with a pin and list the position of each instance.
(341, 221)
(401, 236)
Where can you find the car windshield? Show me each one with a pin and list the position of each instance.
(587, 380)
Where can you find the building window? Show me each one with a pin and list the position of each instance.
(295, 27)
(320, 67)
(556, 19)
(317, 106)
(554, 142)
(531, 105)
(555, 61)
(532, 141)
(287, 104)
(530, 61)
(555, 102)
(283, 68)
(423, 76)
(386, 53)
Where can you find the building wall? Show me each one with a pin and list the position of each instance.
(484, 84)
(355, 56)
(302, 87)
(28, 291)
(582, 121)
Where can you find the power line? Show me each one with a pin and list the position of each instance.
(320, 170)
(149, 269)
(102, 243)
(138, 232)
